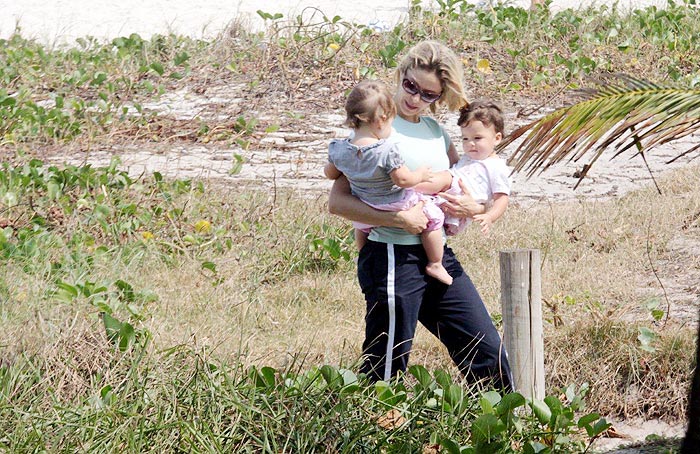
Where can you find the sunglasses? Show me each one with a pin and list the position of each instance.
(411, 88)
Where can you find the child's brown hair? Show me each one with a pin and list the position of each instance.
(369, 101)
(485, 111)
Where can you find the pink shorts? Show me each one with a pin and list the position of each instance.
(431, 210)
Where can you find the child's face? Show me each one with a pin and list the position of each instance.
(479, 140)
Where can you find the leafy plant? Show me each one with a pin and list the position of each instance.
(330, 243)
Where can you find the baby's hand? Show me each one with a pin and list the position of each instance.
(484, 221)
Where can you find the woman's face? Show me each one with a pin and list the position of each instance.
(423, 84)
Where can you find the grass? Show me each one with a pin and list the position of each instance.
(269, 299)
(151, 313)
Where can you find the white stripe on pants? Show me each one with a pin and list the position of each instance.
(391, 305)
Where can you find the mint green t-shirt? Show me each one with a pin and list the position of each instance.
(420, 144)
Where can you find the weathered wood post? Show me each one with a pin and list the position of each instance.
(521, 305)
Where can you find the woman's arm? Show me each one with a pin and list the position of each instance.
(452, 154)
(342, 203)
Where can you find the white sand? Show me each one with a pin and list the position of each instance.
(62, 21)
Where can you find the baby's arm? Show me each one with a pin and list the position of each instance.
(331, 171)
(404, 177)
(500, 203)
(441, 181)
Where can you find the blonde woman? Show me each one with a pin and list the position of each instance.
(391, 265)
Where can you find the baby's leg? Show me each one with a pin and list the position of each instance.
(433, 245)
(360, 239)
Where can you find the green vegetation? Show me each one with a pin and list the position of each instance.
(146, 313)
(189, 403)
(97, 90)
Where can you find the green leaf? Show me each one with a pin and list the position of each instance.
(647, 337)
(450, 445)
(333, 378)
(181, 58)
(157, 67)
(349, 377)
(211, 266)
(443, 378)
(127, 336)
(510, 402)
(490, 399)
(126, 291)
(112, 326)
(657, 314)
(237, 165)
(625, 113)
(66, 292)
(541, 411)
(425, 380)
(486, 427)
(599, 427)
(587, 419)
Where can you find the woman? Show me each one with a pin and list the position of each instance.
(391, 266)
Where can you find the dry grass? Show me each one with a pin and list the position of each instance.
(599, 260)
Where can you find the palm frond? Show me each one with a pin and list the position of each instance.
(630, 115)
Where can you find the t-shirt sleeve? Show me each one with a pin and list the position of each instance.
(393, 159)
(499, 175)
(332, 151)
(435, 125)
(446, 137)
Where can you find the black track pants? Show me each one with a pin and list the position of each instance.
(399, 294)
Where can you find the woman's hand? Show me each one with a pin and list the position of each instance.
(461, 206)
(413, 220)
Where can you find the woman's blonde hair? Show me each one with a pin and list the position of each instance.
(369, 101)
(437, 58)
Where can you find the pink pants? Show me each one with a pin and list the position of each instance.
(431, 210)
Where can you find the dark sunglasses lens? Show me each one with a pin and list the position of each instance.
(429, 97)
(410, 87)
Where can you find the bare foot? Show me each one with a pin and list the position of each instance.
(439, 272)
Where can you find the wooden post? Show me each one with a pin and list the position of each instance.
(521, 305)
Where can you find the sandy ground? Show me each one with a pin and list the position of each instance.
(61, 21)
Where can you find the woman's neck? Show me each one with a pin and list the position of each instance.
(411, 119)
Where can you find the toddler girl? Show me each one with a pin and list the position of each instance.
(377, 173)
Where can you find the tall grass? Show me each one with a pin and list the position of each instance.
(248, 280)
